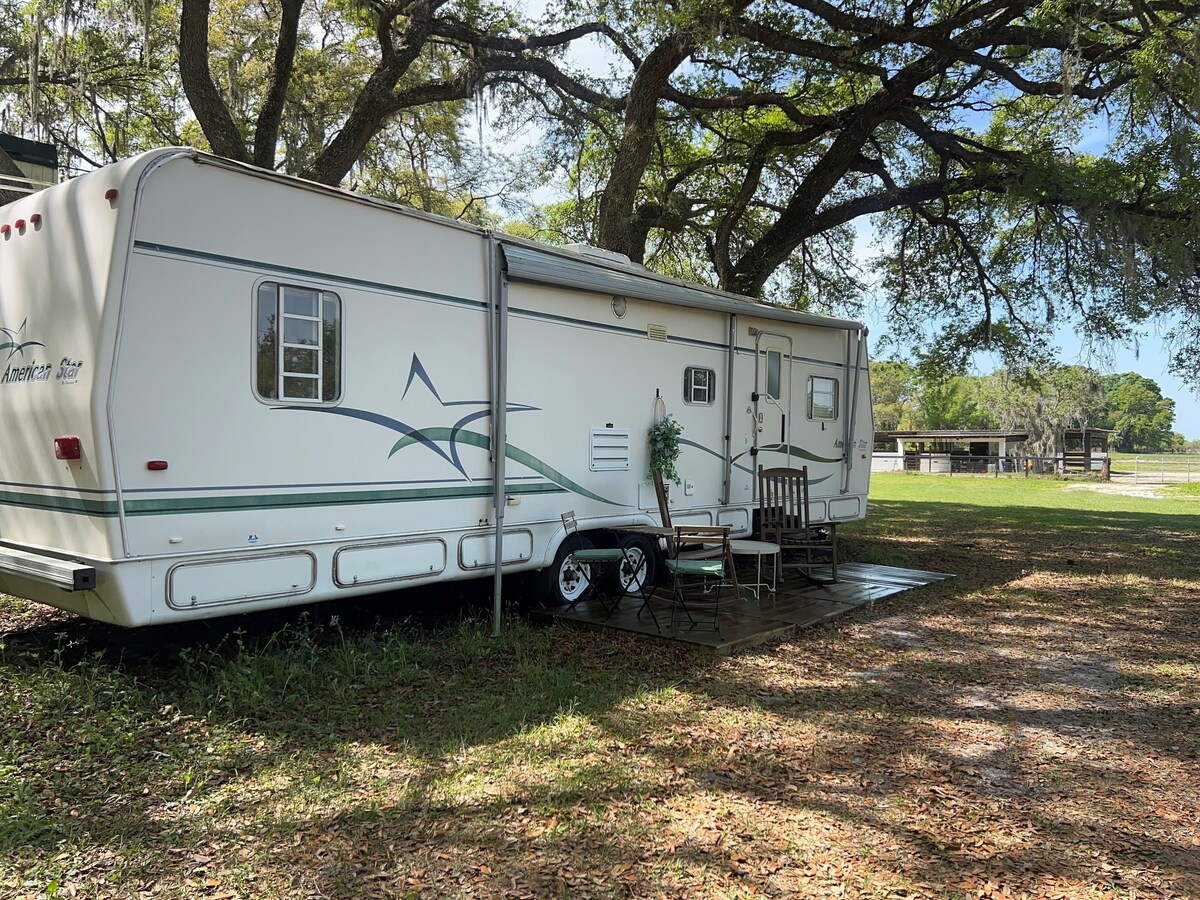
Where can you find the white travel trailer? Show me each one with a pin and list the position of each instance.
(225, 390)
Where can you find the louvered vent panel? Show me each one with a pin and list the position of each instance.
(656, 332)
(610, 450)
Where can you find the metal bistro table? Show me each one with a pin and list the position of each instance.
(644, 589)
(758, 549)
(658, 531)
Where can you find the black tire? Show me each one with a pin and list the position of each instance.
(562, 582)
(644, 558)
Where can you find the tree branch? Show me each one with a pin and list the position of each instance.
(266, 129)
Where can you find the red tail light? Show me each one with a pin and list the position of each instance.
(157, 465)
(67, 448)
(5, 229)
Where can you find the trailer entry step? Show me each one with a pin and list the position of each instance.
(68, 575)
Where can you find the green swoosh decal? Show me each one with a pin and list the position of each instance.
(516, 454)
(20, 348)
(795, 451)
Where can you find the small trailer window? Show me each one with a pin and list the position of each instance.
(774, 373)
(822, 397)
(299, 344)
(699, 385)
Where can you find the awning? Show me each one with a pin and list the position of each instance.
(563, 268)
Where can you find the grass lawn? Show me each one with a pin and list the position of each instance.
(1030, 728)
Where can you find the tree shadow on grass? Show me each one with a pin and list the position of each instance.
(992, 546)
(126, 742)
(1006, 811)
(265, 732)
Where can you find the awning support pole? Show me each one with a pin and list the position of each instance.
(731, 361)
(498, 322)
(862, 340)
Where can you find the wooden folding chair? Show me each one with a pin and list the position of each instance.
(690, 551)
(784, 519)
(664, 502)
(707, 576)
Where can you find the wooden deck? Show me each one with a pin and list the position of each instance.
(745, 622)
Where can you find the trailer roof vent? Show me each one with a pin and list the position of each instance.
(597, 253)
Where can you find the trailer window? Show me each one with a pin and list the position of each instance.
(699, 385)
(298, 340)
(774, 373)
(822, 397)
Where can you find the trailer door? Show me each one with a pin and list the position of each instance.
(772, 395)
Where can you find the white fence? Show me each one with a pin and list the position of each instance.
(965, 464)
(1165, 468)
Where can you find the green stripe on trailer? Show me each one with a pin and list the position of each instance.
(180, 505)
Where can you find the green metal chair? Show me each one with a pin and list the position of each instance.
(596, 566)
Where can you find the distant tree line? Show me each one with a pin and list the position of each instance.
(1042, 402)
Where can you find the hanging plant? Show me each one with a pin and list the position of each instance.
(664, 447)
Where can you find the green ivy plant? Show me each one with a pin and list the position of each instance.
(664, 448)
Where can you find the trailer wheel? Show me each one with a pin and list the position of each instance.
(640, 570)
(567, 581)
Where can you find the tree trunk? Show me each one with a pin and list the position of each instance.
(797, 221)
(266, 130)
(210, 108)
(376, 101)
(615, 230)
(363, 123)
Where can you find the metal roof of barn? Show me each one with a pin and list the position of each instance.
(952, 435)
(32, 152)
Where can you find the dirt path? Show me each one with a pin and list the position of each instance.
(1124, 488)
